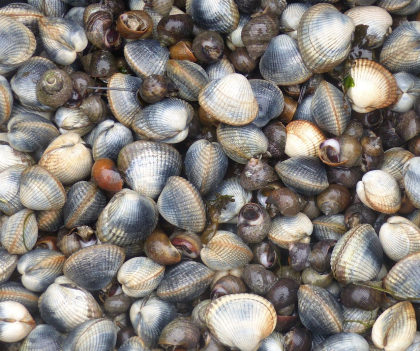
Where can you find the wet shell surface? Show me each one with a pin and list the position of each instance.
(15, 321)
(241, 320)
(303, 139)
(43, 337)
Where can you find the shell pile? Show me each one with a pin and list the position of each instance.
(210, 175)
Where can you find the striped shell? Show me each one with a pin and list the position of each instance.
(219, 69)
(303, 139)
(8, 264)
(285, 231)
(291, 16)
(408, 91)
(135, 343)
(412, 180)
(23, 13)
(343, 342)
(394, 161)
(50, 221)
(400, 7)
(6, 100)
(9, 191)
(51, 8)
(330, 227)
(73, 120)
(11, 157)
(15, 321)
(43, 338)
(13, 291)
(357, 320)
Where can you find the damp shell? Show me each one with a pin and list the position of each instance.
(16, 321)
(303, 138)
(285, 231)
(394, 161)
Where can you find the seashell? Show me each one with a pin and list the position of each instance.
(333, 200)
(124, 104)
(411, 180)
(73, 120)
(374, 87)
(50, 8)
(303, 111)
(39, 268)
(50, 194)
(166, 121)
(343, 342)
(43, 337)
(303, 174)
(30, 132)
(67, 158)
(11, 157)
(225, 251)
(16, 321)
(23, 13)
(17, 44)
(20, 232)
(9, 192)
(330, 109)
(62, 39)
(290, 18)
(184, 282)
(135, 25)
(357, 256)
(282, 62)
(303, 138)
(146, 57)
(408, 87)
(127, 218)
(6, 99)
(234, 40)
(160, 249)
(252, 319)
(220, 16)
(155, 88)
(7, 266)
(357, 320)
(270, 101)
(181, 205)
(77, 238)
(274, 342)
(181, 332)
(188, 77)
(147, 166)
(75, 14)
(400, 50)
(106, 175)
(205, 165)
(257, 174)
(84, 203)
(394, 161)
(330, 227)
(395, 328)
(54, 88)
(13, 291)
(344, 151)
(404, 7)
(379, 191)
(92, 335)
(94, 267)
(230, 100)
(285, 231)
(219, 69)
(242, 143)
(324, 37)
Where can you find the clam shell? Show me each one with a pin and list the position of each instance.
(394, 161)
(9, 191)
(343, 342)
(147, 166)
(408, 91)
(274, 342)
(303, 139)
(290, 18)
(400, 7)
(43, 338)
(303, 111)
(23, 13)
(13, 291)
(225, 251)
(146, 57)
(8, 264)
(94, 267)
(11, 157)
(330, 227)
(234, 39)
(16, 322)
(282, 62)
(241, 321)
(50, 221)
(135, 343)
(412, 180)
(73, 120)
(219, 69)
(51, 8)
(6, 99)
(230, 100)
(374, 87)
(181, 205)
(357, 320)
(357, 256)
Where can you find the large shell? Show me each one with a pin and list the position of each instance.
(127, 218)
(146, 57)
(357, 256)
(181, 205)
(285, 231)
(205, 165)
(9, 192)
(324, 37)
(374, 87)
(147, 166)
(8, 264)
(400, 7)
(13, 291)
(43, 338)
(6, 100)
(395, 328)
(225, 251)
(241, 321)
(303, 139)
(282, 62)
(16, 322)
(343, 342)
(412, 180)
(230, 100)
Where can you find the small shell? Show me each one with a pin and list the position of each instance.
(6, 100)
(329, 227)
(13, 291)
(291, 16)
(395, 328)
(303, 139)
(8, 264)
(394, 161)
(43, 338)
(15, 321)
(412, 180)
(343, 342)
(234, 40)
(50, 221)
(285, 231)
(9, 192)
(219, 69)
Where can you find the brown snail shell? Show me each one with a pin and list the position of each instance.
(135, 25)
(54, 88)
(160, 249)
(342, 151)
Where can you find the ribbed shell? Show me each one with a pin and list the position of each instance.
(412, 180)
(379, 191)
(205, 165)
(73, 120)
(16, 46)
(189, 78)
(94, 267)
(290, 18)
(147, 166)
(67, 158)
(6, 100)
(50, 193)
(51, 8)
(274, 342)
(343, 342)
(304, 174)
(395, 328)
(8, 264)
(401, 50)
(185, 282)
(16, 321)
(225, 251)
(39, 268)
(242, 143)
(357, 320)
(219, 69)
(357, 256)
(43, 338)
(374, 87)
(135, 343)
(230, 100)
(85, 202)
(13, 291)
(23, 13)
(62, 39)
(285, 231)
(93, 335)
(146, 57)
(403, 280)
(9, 191)
(11, 157)
(139, 276)
(324, 37)
(66, 305)
(181, 205)
(330, 227)
(319, 311)
(270, 101)
(400, 7)
(50, 221)
(394, 161)
(408, 91)
(124, 104)
(127, 218)
(303, 139)
(217, 15)
(241, 321)
(20, 232)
